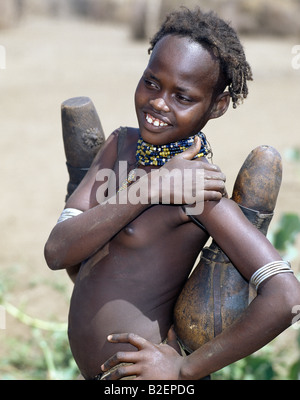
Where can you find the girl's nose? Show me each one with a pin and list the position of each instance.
(159, 104)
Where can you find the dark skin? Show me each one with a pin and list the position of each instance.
(140, 255)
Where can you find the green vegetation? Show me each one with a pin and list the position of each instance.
(44, 355)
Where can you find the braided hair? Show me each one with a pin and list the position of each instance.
(215, 34)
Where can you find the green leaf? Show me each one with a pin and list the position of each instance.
(287, 231)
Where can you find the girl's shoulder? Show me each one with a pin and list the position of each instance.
(127, 138)
(128, 131)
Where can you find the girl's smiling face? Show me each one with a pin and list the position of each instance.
(178, 92)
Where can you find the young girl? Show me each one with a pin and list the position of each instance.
(136, 256)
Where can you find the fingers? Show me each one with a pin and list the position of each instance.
(207, 166)
(120, 372)
(131, 358)
(172, 339)
(192, 151)
(119, 358)
(131, 338)
(153, 361)
(211, 171)
(210, 195)
(214, 184)
(212, 175)
(171, 336)
(185, 180)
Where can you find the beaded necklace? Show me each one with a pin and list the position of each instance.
(149, 154)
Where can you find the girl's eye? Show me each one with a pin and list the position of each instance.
(183, 99)
(150, 84)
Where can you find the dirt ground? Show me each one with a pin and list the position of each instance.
(51, 60)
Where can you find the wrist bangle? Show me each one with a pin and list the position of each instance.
(68, 213)
(268, 270)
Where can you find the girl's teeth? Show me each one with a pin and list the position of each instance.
(155, 122)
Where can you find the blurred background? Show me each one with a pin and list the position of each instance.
(52, 50)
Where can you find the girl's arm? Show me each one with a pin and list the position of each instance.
(77, 238)
(269, 314)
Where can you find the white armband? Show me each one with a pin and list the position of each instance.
(68, 213)
(268, 270)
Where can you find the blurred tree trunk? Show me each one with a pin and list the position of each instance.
(145, 18)
(10, 12)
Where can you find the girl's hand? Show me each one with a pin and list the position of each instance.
(185, 180)
(150, 362)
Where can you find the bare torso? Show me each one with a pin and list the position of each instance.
(132, 283)
(126, 286)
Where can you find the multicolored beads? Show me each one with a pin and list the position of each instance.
(149, 154)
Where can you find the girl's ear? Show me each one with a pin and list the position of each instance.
(220, 106)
